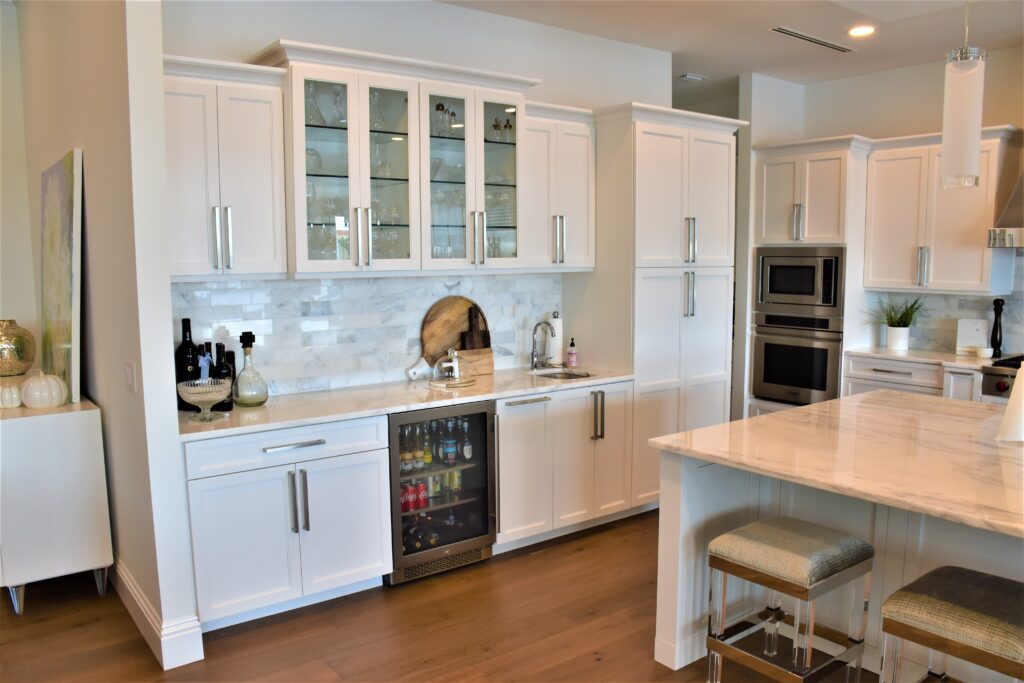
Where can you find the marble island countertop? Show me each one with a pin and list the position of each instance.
(946, 359)
(297, 410)
(925, 454)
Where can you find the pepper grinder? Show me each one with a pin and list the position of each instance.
(997, 328)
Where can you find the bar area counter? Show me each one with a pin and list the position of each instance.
(922, 478)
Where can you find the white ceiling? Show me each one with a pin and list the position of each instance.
(724, 38)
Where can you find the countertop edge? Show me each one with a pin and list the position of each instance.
(1016, 531)
(192, 437)
(954, 361)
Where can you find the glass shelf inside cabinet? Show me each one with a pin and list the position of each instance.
(447, 121)
(390, 155)
(500, 200)
(327, 171)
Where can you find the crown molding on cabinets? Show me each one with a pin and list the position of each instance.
(194, 67)
(1006, 132)
(559, 112)
(854, 143)
(650, 113)
(282, 52)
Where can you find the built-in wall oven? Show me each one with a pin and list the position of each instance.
(798, 334)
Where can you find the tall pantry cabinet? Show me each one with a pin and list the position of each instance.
(661, 296)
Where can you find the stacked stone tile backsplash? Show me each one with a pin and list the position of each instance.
(320, 334)
(936, 330)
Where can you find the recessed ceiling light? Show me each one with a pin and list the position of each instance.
(862, 31)
(693, 77)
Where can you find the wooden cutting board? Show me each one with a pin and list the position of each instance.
(442, 329)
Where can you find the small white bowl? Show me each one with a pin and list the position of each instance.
(983, 352)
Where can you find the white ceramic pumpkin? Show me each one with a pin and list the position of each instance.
(44, 391)
(10, 396)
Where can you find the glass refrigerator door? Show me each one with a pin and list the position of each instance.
(443, 482)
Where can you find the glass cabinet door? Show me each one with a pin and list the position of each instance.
(391, 177)
(499, 130)
(324, 239)
(449, 165)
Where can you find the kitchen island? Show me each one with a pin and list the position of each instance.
(920, 477)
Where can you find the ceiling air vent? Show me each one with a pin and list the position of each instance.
(793, 33)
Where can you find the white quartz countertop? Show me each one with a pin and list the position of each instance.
(297, 410)
(926, 454)
(943, 358)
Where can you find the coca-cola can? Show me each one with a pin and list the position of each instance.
(407, 497)
(422, 495)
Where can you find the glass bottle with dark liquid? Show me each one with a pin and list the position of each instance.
(186, 362)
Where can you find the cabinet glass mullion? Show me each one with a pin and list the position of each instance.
(327, 171)
(500, 173)
(447, 129)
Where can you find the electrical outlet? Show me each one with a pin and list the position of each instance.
(129, 377)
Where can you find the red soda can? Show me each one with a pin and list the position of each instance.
(407, 497)
(422, 495)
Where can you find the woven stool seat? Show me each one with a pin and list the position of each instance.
(974, 609)
(792, 550)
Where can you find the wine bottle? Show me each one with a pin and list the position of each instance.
(224, 369)
(186, 362)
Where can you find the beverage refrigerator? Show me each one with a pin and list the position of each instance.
(443, 511)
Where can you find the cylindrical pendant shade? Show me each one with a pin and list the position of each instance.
(961, 117)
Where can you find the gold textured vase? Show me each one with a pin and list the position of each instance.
(17, 349)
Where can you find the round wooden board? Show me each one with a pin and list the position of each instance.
(444, 324)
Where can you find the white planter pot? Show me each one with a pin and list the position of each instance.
(897, 338)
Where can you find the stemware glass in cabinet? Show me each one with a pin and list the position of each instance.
(447, 122)
(500, 179)
(327, 171)
(390, 193)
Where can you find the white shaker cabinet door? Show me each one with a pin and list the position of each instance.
(574, 181)
(778, 193)
(537, 186)
(525, 467)
(345, 520)
(193, 176)
(613, 450)
(572, 430)
(660, 199)
(823, 213)
(964, 385)
(251, 142)
(897, 192)
(712, 197)
(707, 338)
(245, 541)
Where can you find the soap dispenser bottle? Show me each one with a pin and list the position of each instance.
(573, 358)
(250, 387)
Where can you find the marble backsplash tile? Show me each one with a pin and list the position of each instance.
(936, 330)
(314, 335)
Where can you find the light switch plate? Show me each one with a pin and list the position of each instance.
(130, 377)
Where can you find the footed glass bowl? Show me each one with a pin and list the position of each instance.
(204, 394)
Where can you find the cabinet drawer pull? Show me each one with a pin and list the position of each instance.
(305, 499)
(230, 238)
(295, 446)
(218, 240)
(294, 503)
(906, 373)
(527, 401)
(595, 434)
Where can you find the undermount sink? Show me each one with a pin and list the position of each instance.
(563, 374)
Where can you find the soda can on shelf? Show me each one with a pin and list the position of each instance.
(406, 497)
(455, 478)
(435, 485)
(422, 495)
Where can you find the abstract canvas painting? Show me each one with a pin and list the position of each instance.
(62, 269)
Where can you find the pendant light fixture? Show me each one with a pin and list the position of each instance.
(961, 114)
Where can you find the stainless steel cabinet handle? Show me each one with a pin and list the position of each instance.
(802, 223)
(562, 248)
(218, 240)
(483, 237)
(918, 266)
(357, 234)
(693, 240)
(604, 398)
(926, 266)
(293, 495)
(796, 225)
(230, 238)
(886, 371)
(369, 237)
(295, 446)
(476, 240)
(686, 295)
(556, 232)
(527, 401)
(305, 499)
(595, 433)
(691, 307)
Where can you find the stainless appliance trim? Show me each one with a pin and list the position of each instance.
(830, 341)
(764, 320)
(497, 463)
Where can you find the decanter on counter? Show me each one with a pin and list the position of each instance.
(250, 387)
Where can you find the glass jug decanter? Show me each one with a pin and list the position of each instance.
(250, 387)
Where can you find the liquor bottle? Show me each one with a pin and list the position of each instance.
(186, 362)
(225, 369)
(428, 447)
(467, 442)
(250, 387)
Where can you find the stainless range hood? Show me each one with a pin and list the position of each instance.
(1009, 230)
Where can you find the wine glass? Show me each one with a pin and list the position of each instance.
(204, 394)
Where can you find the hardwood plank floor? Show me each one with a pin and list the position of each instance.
(579, 609)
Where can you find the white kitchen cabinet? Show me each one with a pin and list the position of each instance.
(564, 458)
(921, 237)
(225, 173)
(858, 385)
(685, 191)
(558, 219)
(245, 541)
(758, 406)
(525, 467)
(682, 360)
(964, 385)
(804, 190)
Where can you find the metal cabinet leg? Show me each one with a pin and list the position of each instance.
(101, 580)
(17, 598)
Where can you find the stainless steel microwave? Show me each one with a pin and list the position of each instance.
(800, 280)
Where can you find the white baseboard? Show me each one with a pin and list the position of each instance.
(174, 643)
(565, 531)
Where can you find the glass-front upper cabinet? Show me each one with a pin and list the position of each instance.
(470, 157)
(358, 171)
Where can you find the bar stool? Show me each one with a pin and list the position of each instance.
(803, 561)
(958, 612)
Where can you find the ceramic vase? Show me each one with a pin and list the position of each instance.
(17, 349)
(897, 338)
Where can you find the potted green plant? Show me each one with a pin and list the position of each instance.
(898, 315)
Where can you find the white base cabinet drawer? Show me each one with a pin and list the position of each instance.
(900, 372)
(856, 385)
(215, 457)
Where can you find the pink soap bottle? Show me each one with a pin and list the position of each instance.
(573, 358)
